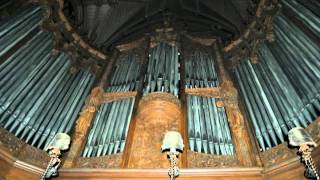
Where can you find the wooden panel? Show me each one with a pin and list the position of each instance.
(110, 161)
(202, 160)
(157, 114)
(6, 162)
(20, 174)
(161, 174)
(13, 169)
(291, 169)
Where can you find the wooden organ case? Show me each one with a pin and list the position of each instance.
(223, 101)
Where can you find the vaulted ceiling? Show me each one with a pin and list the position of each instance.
(105, 22)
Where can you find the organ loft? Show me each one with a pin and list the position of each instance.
(157, 89)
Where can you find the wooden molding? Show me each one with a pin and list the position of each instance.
(116, 96)
(131, 45)
(214, 92)
(151, 173)
(6, 156)
(28, 167)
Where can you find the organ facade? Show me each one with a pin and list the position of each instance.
(117, 88)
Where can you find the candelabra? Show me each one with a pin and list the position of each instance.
(173, 146)
(299, 137)
(59, 143)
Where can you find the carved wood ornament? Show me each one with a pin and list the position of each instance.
(258, 31)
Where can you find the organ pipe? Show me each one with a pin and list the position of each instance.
(281, 91)
(36, 86)
(110, 129)
(200, 71)
(208, 128)
(126, 74)
(18, 27)
(163, 70)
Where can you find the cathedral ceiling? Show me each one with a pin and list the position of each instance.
(105, 22)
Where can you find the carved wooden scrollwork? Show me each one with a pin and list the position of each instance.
(66, 39)
(258, 31)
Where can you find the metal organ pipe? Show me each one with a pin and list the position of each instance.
(305, 13)
(35, 86)
(208, 127)
(126, 74)
(163, 70)
(200, 71)
(110, 128)
(16, 29)
(111, 124)
(286, 79)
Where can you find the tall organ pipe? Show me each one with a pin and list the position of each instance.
(39, 96)
(286, 80)
(15, 30)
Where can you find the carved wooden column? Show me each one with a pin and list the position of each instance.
(157, 113)
(243, 144)
(183, 99)
(87, 115)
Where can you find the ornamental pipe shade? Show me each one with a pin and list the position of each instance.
(299, 136)
(60, 141)
(172, 141)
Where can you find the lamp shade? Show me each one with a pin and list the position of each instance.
(60, 141)
(172, 140)
(299, 136)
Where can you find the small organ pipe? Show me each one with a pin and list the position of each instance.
(163, 70)
(110, 128)
(200, 70)
(208, 128)
(126, 75)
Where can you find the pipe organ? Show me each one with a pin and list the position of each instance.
(110, 128)
(208, 128)
(234, 113)
(281, 91)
